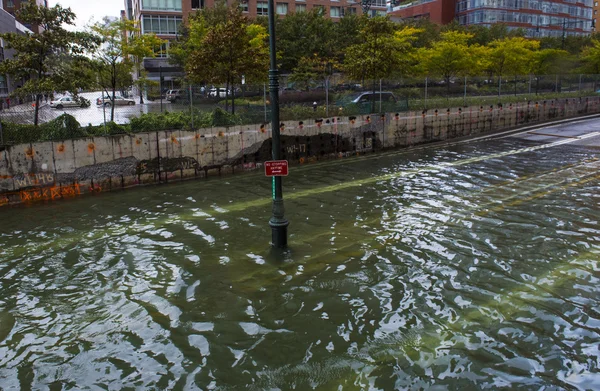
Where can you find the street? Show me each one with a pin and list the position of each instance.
(464, 266)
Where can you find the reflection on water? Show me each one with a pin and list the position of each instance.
(413, 270)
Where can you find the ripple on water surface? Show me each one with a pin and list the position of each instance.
(405, 271)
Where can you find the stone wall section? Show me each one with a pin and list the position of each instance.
(62, 169)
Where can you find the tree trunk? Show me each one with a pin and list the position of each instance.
(227, 95)
(37, 109)
(114, 88)
(232, 98)
(373, 98)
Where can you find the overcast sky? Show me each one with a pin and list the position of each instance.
(91, 9)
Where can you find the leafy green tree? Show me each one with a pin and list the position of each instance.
(451, 56)
(117, 57)
(384, 51)
(309, 33)
(53, 60)
(484, 35)
(311, 69)
(547, 62)
(141, 46)
(590, 58)
(224, 51)
(512, 56)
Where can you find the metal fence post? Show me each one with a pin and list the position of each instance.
(191, 107)
(529, 84)
(465, 95)
(426, 80)
(499, 86)
(580, 83)
(380, 95)
(327, 96)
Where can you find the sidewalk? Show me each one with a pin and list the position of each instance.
(22, 108)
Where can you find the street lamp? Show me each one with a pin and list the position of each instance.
(278, 222)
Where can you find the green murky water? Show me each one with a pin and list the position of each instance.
(465, 267)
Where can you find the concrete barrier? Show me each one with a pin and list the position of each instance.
(62, 169)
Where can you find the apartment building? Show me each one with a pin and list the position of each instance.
(11, 6)
(8, 24)
(538, 18)
(595, 9)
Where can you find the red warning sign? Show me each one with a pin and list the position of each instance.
(276, 168)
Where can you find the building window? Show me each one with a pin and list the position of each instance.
(350, 11)
(300, 7)
(161, 5)
(262, 8)
(319, 9)
(161, 24)
(244, 6)
(197, 4)
(163, 50)
(10, 4)
(282, 8)
(334, 12)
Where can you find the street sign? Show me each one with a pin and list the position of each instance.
(276, 168)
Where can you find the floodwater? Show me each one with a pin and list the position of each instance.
(472, 266)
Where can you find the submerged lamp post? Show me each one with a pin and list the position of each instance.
(278, 222)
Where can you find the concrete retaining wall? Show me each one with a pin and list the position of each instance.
(70, 168)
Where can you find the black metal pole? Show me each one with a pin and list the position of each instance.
(160, 80)
(278, 222)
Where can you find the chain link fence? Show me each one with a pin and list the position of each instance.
(188, 106)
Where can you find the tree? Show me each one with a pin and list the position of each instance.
(313, 68)
(590, 58)
(141, 46)
(117, 57)
(546, 62)
(223, 51)
(512, 56)
(309, 33)
(383, 52)
(51, 61)
(451, 56)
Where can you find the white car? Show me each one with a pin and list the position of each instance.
(222, 92)
(119, 101)
(69, 101)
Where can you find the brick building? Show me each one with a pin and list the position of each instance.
(539, 18)
(438, 11)
(11, 6)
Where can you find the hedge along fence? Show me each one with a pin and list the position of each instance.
(67, 127)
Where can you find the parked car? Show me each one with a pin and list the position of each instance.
(119, 101)
(70, 101)
(367, 97)
(222, 93)
(362, 101)
(174, 96)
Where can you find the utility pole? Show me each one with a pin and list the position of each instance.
(278, 221)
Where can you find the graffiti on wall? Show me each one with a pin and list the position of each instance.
(34, 180)
(49, 193)
(166, 164)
